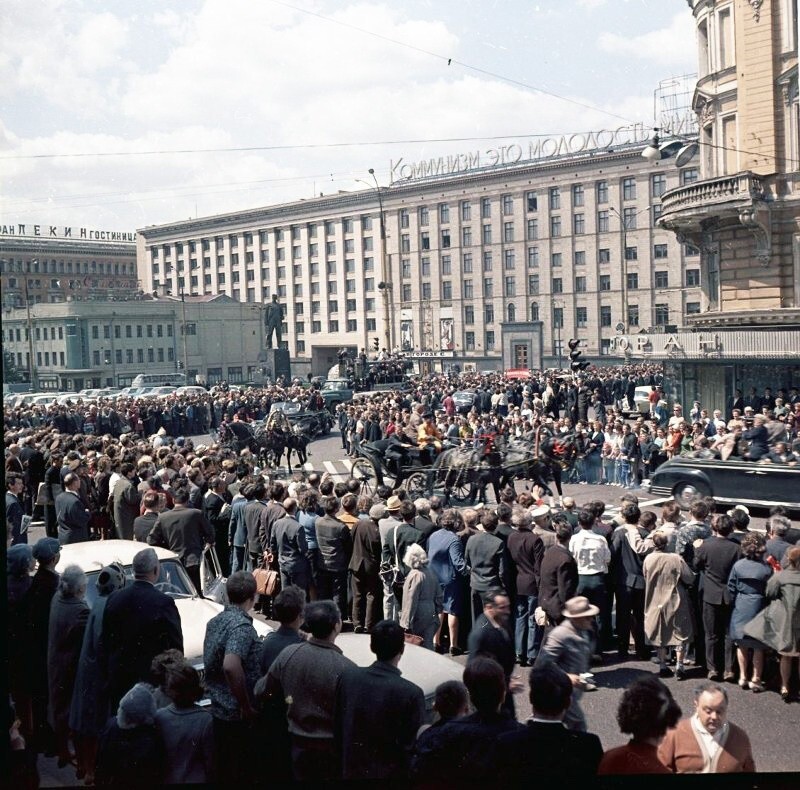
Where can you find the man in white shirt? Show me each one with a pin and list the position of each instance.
(592, 555)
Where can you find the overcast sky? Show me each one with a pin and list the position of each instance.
(117, 77)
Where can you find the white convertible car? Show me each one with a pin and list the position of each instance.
(421, 666)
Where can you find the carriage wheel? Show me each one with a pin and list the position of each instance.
(416, 484)
(461, 489)
(364, 472)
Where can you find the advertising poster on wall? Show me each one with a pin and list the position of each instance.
(446, 334)
(406, 335)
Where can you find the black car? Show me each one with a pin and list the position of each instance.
(464, 401)
(735, 481)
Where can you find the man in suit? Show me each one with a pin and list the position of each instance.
(422, 522)
(398, 539)
(526, 551)
(335, 549)
(34, 467)
(15, 513)
(139, 622)
(256, 505)
(71, 515)
(143, 525)
(486, 556)
(545, 747)
(714, 558)
(273, 511)
(364, 567)
(185, 531)
(288, 544)
(369, 697)
(126, 501)
(558, 574)
(218, 514)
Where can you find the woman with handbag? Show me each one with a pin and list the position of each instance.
(422, 597)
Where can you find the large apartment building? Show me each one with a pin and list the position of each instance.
(485, 268)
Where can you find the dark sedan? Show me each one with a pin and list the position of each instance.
(464, 400)
(735, 481)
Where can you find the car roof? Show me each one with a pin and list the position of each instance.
(92, 555)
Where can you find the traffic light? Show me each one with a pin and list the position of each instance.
(376, 343)
(576, 364)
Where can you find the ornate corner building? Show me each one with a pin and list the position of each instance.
(743, 213)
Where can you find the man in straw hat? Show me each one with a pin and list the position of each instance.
(569, 646)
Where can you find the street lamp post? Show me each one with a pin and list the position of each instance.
(385, 286)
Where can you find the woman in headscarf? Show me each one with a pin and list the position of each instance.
(89, 710)
(422, 597)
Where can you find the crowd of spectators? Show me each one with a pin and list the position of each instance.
(519, 583)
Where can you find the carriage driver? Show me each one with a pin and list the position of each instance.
(429, 438)
(278, 421)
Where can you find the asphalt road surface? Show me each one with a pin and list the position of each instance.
(773, 726)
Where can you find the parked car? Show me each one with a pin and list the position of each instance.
(735, 481)
(420, 666)
(464, 400)
(192, 389)
(641, 402)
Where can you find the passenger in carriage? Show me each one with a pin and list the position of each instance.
(429, 439)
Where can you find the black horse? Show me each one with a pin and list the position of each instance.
(274, 442)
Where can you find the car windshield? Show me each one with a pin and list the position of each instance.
(172, 580)
(462, 395)
(333, 385)
(286, 407)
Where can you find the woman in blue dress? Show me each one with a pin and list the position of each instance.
(747, 585)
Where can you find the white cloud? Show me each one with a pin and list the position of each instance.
(668, 46)
(591, 3)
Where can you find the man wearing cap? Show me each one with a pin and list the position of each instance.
(39, 598)
(542, 526)
(569, 646)
(71, 515)
(386, 525)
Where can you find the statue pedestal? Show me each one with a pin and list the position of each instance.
(276, 363)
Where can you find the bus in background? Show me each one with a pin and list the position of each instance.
(172, 379)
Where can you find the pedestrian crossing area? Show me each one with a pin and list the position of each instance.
(339, 469)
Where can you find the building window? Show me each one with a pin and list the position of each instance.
(601, 191)
(689, 176)
(469, 341)
(487, 234)
(426, 291)
(445, 238)
(510, 286)
(466, 263)
(659, 250)
(555, 260)
(487, 261)
(366, 222)
(469, 314)
(349, 246)
(533, 284)
(446, 266)
(405, 268)
(466, 211)
(661, 314)
(662, 279)
(692, 308)
(605, 282)
(629, 217)
(581, 317)
(692, 278)
(508, 231)
(424, 216)
(511, 313)
(631, 254)
(403, 217)
(633, 315)
(352, 325)
(602, 221)
(578, 224)
(468, 294)
(488, 314)
(557, 285)
(447, 290)
(534, 311)
(658, 184)
(425, 240)
(488, 287)
(690, 251)
(347, 225)
(632, 281)
(533, 229)
(605, 315)
(533, 257)
(555, 198)
(579, 257)
(558, 317)
(489, 340)
(425, 266)
(406, 295)
(486, 208)
(509, 259)
(629, 188)
(555, 226)
(333, 326)
(508, 204)
(531, 201)
(466, 236)
(580, 285)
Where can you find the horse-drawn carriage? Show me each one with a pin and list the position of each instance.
(461, 473)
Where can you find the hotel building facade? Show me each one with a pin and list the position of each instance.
(485, 268)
